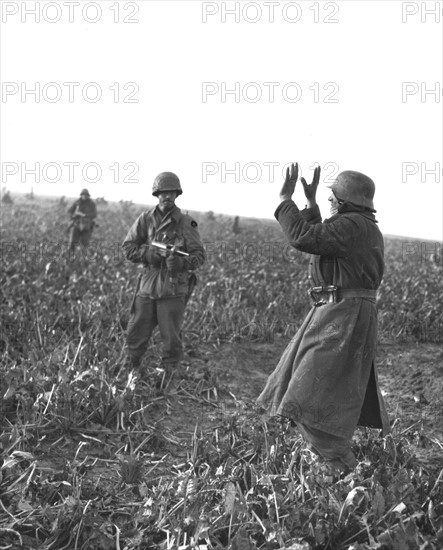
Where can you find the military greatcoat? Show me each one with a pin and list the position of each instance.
(327, 377)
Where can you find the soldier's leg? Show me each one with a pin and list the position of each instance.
(170, 318)
(74, 238)
(85, 237)
(88, 250)
(141, 324)
(334, 450)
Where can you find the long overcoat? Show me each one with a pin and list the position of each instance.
(327, 377)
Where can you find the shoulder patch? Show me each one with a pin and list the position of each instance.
(194, 223)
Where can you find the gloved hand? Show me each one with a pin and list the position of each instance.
(289, 184)
(174, 263)
(311, 189)
(152, 256)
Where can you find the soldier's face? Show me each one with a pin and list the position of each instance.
(166, 200)
(83, 196)
(335, 203)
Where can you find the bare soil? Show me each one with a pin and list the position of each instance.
(213, 384)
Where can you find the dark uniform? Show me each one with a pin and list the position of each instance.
(83, 213)
(326, 380)
(162, 295)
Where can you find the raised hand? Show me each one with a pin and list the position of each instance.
(289, 184)
(311, 189)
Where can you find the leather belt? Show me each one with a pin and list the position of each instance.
(356, 293)
(321, 295)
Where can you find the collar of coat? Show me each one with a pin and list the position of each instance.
(164, 219)
(348, 207)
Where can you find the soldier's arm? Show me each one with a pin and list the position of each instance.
(72, 208)
(311, 214)
(193, 245)
(93, 210)
(135, 244)
(337, 238)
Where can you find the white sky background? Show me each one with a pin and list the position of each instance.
(368, 53)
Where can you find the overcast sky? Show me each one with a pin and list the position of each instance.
(225, 94)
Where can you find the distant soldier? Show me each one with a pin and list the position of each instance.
(83, 213)
(236, 229)
(435, 260)
(168, 278)
(6, 197)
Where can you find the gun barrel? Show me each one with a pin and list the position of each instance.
(169, 248)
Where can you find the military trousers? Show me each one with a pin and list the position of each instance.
(78, 237)
(146, 314)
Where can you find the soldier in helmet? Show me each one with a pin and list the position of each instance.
(83, 213)
(326, 380)
(168, 278)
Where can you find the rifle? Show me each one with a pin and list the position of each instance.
(75, 217)
(77, 214)
(171, 249)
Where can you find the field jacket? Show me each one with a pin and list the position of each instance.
(87, 207)
(174, 228)
(327, 377)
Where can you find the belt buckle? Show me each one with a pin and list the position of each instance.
(317, 290)
(330, 291)
(332, 294)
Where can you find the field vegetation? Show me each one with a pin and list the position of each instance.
(95, 457)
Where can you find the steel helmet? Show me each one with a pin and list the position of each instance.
(85, 192)
(354, 187)
(166, 181)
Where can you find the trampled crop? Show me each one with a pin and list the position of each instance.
(91, 457)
